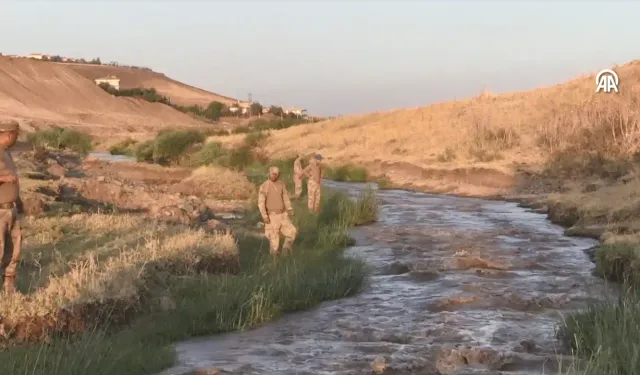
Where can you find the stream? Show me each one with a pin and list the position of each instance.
(464, 285)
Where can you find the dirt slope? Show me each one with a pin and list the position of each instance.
(477, 146)
(40, 93)
(178, 92)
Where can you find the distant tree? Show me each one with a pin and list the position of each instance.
(96, 61)
(56, 58)
(213, 111)
(276, 111)
(81, 61)
(45, 58)
(255, 109)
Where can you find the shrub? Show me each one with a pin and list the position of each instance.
(209, 154)
(241, 130)
(124, 147)
(62, 139)
(170, 146)
(144, 151)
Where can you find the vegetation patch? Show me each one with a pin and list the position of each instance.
(62, 139)
(124, 147)
(606, 336)
(105, 267)
(167, 282)
(347, 173)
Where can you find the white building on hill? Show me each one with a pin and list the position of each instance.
(113, 81)
(36, 56)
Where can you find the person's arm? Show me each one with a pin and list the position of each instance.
(321, 173)
(7, 174)
(287, 199)
(306, 172)
(9, 177)
(262, 199)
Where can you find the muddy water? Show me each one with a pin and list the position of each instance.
(467, 286)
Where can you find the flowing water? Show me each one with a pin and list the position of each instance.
(467, 286)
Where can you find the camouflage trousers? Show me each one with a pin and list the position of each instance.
(11, 243)
(297, 186)
(280, 223)
(313, 195)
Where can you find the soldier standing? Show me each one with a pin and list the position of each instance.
(10, 205)
(315, 172)
(297, 176)
(275, 208)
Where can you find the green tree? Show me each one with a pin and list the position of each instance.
(276, 111)
(255, 109)
(214, 111)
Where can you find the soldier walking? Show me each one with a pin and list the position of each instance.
(10, 205)
(275, 208)
(297, 176)
(315, 172)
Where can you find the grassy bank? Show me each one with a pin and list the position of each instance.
(167, 283)
(606, 337)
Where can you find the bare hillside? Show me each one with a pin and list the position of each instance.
(478, 145)
(178, 92)
(41, 93)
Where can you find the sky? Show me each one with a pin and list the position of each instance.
(336, 57)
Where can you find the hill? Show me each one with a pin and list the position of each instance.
(178, 92)
(486, 145)
(41, 93)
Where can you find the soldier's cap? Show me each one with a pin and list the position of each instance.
(318, 157)
(9, 125)
(274, 169)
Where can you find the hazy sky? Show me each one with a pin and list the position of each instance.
(336, 57)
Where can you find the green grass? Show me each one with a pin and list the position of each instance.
(347, 173)
(606, 337)
(265, 290)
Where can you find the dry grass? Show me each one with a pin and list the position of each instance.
(97, 257)
(217, 182)
(491, 131)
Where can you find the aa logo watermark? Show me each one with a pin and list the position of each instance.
(607, 80)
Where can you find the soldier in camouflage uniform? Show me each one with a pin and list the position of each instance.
(10, 205)
(315, 172)
(275, 208)
(297, 176)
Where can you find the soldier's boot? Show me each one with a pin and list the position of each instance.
(9, 284)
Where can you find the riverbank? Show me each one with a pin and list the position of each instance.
(108, 285)
(596, 206)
